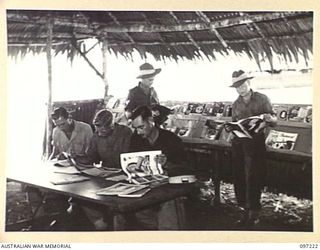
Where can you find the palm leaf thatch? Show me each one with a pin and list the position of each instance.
(165, 34)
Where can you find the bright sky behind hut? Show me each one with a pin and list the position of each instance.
(189, 81)
(200, 81)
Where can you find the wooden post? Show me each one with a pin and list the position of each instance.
(49, 104)
(104, 68)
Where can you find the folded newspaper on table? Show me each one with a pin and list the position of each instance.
(245, 128)
(124, 190)
(142, 167)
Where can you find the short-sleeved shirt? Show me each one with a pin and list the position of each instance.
(79, 141)
(169, 143)
(137, 97)
(108, 148)
(258, 104)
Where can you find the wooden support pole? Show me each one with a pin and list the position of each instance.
(49, 104)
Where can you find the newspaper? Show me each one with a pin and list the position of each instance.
(281, 140)
(142, 167)
(245, 128)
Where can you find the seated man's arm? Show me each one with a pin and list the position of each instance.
(92, 151)
(54, 143)
(174, 152)
(54, 153)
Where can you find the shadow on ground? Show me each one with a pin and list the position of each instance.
(279, 212)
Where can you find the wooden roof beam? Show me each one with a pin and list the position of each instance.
(214, 31)
(113, 17)
(208, 42)
(19, 43)
(149, 23)
(256, 27)
(185, 32)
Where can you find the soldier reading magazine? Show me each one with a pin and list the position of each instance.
(248, 154)
(148, 137)
(247, 127)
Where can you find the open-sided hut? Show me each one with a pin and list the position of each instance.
(167, 35)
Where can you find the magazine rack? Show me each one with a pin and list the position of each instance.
(285, 168)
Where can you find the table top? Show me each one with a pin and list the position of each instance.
(41, 175)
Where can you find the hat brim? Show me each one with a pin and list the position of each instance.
(239, 83)
(157, 71)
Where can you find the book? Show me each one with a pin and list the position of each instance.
(281, 140)
(59, 180)
(121, 189)
(142, 167)
(245, 128)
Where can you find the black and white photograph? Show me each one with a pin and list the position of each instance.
(94, 84)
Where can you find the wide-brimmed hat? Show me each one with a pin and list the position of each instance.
(239, 77)
(147, 70)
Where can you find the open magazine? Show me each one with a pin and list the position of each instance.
(281, 140)
(142, 167)
(245, 128)
(70, 166)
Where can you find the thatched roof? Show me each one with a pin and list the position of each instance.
(165, 34)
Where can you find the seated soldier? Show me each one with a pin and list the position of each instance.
(149, 137)
(70, 136)
(108, 142)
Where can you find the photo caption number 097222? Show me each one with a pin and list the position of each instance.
(309, 246)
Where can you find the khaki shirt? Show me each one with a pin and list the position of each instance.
(79, 141)
(258, 104)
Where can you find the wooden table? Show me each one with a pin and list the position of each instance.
(40, 176)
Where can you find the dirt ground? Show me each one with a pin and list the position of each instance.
(279, 211)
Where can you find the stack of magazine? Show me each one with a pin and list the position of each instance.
(143, 167)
